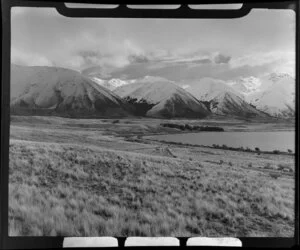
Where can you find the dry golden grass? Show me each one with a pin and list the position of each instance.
(81, 178)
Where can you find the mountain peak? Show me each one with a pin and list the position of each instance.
(246, 85)
(50, 90)
(160, 97)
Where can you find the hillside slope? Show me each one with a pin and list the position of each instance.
(271, 93)
(159, 97)
(59, 91)
(277, 97)
(229, 104)
(222, 99)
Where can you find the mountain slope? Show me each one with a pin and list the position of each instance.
(230, 104)
(222, 99)
(271, 93)
(50, 90)
(159, 97)
(205, 89)
(246, 85)
(277, 98)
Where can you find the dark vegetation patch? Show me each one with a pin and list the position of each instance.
(192, 127)
(141, 106)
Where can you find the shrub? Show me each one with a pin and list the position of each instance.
(257, 149)
(182, 127)
(250, 165)
(191, 127)
(187, 126)
(115, 121)
(268, 166)
(284, 167)
(197, 128)
(281, 166)
(274, 175)
(221, 162)
(230, 163)
(276, 151)
(290, 151)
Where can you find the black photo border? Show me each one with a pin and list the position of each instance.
(122, 11)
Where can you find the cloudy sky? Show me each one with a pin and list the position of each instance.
(261, 42)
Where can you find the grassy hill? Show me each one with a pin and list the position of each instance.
(84, 179)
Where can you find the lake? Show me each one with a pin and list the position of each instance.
(265, 141)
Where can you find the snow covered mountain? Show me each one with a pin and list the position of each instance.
(205, 89)
(159, 97)
(277, 96)
(110, 84)
(50, 90)
(230, 104)
(59, 91)
(272, 93)
(222, 99)
(246, 86)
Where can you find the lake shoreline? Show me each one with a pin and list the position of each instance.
(255, 149)
(220, 147)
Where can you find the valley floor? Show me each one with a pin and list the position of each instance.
(87, 177)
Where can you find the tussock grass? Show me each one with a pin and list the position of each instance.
(72, 190)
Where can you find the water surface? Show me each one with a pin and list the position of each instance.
(267, 141)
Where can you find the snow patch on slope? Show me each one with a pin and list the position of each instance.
(110, 84)
(246, 85)
(206, 89)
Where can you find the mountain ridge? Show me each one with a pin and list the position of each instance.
(166, 98)
(55, 90)
(275, 95)
(61, 91)
(222, 99)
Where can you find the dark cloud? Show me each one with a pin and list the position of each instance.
(202, 61)
(185, 61)
(88, 53)
(177, 72)
(138, 59)
(222, 59)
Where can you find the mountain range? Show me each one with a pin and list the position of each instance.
(222, 99)
(273, 93)
(59, 91)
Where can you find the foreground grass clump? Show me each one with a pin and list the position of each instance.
(71, 190)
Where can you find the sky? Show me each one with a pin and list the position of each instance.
(178, 49)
